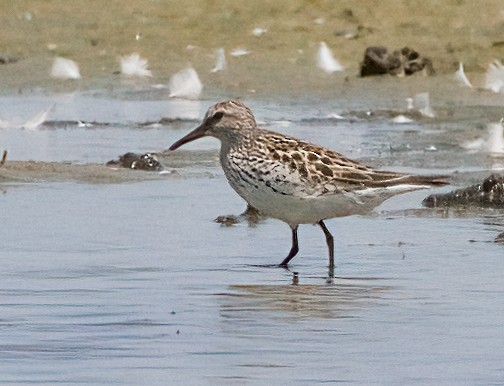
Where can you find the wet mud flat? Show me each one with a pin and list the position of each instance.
(112, 172)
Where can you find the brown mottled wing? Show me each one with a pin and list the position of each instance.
(302, 169)
(292, 167)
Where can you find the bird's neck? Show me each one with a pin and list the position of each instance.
(236, 141)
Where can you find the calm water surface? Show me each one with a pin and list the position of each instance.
(133, 283)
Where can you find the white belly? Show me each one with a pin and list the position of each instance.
(287, 199)
(295, 210)
(304, 210)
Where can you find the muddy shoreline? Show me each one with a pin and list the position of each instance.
(173, 36)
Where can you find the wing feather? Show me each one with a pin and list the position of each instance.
(292, 167)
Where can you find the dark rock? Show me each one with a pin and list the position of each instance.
(145, 161)
(7, 59)
(377, 61)
(488, 194)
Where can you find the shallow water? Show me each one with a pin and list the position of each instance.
(119, 276)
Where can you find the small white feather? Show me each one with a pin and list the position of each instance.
(134, 65)
(461, 77)
(37, 120)
(65, 69)
(31, 124)
(409, 104)
(258, 31)
(494, 79)
(220, 60)
(474, 146)
(402, 119)
(185, 84)
(335, 116)
(496, 137)
(493, 142)
(326, 60)
(421, 102)
(239, 52)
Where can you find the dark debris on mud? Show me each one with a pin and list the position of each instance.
(251, 215)
(4, 158)
(487, 194)
(147, 162)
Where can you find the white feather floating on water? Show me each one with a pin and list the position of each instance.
(494, 79)
(65, 69)
(461, 77)
(185, 84)
(496, 137)
(220, 60)
(31, 124)
(37, 120)
(402, 119)
(421, 102)
(134, 65)
(493, 142)
(326, 60)
(335, 116)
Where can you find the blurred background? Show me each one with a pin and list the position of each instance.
(280, 38)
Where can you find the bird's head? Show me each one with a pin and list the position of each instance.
(227, 121)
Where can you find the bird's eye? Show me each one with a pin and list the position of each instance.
(218, 115)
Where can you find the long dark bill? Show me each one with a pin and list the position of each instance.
(198, 132)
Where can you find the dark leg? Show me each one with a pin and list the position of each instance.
(330, 244)
(294, 249)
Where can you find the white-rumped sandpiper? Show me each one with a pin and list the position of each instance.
(293, 180)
